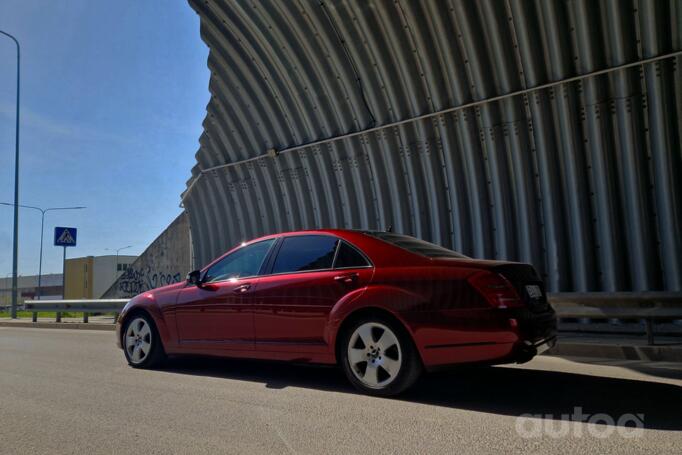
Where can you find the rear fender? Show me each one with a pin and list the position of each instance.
(388, 298)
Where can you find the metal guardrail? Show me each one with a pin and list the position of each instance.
(86, 307)
(647, 306)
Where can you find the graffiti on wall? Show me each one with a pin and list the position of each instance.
(165, 261)
(134, 281)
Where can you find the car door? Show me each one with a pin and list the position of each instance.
(218, 312)
(293, 300)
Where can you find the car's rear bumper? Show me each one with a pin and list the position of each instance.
(526, 350)
(535, 326)
(501, 337)
(537, 332)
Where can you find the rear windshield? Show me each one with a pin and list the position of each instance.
(415, 245)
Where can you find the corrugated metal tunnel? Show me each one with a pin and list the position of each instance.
(547, 132)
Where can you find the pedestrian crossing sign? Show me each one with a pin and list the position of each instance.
(65, 236)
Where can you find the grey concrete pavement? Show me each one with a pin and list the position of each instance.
(621, 347)
(70, 391)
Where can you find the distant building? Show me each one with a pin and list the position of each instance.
(91, 276)
(51, 288)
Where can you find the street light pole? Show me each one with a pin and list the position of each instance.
(42, 225)
(15, 247)
(40, 260)
(117, 250)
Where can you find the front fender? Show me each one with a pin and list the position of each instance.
(145, 302)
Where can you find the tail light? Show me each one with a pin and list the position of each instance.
(496, 289)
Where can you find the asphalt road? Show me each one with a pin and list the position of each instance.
(70, 391)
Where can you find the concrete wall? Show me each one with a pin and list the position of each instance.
(167, 260)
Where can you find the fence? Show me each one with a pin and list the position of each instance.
(86, 307)
(619, 306)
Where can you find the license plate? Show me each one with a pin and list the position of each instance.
(534, 291)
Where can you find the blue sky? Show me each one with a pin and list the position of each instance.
(113, 97)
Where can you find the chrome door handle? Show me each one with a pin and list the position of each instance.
(347, 278)
(241, 289)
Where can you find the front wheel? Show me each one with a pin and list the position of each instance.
(379, 358)
(141, 343)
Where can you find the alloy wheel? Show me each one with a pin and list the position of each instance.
(138, 340)
(374, 355)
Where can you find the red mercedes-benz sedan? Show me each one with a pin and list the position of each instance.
(383, 306)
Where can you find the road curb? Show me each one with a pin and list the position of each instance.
(58, 325)
(617, 351)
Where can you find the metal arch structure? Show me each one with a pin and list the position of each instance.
(546, 132)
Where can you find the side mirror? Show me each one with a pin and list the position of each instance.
(194, 278)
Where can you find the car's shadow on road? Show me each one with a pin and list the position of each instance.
(506, 391)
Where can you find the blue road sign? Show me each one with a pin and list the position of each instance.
(65, 236)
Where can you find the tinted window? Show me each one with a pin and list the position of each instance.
(415, 245)
(306, 252)
(349, 257)
(245, 261)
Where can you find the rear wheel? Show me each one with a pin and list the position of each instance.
(141, 343)
(379, 358)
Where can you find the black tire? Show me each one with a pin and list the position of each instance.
(410, 366)
(155, 355)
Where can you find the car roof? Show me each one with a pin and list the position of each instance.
(337, 232)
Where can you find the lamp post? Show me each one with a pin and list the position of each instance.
(42, 225)
(15, 247)
(117, 250)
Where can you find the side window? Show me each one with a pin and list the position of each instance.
(348, 257)
(305, 252)
(243, 262)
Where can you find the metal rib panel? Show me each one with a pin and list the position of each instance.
(582, 178)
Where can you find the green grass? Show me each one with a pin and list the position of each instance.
(46, 314)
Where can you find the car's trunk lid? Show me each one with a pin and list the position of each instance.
(523, 277)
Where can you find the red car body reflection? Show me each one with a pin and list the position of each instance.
(455, 309)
